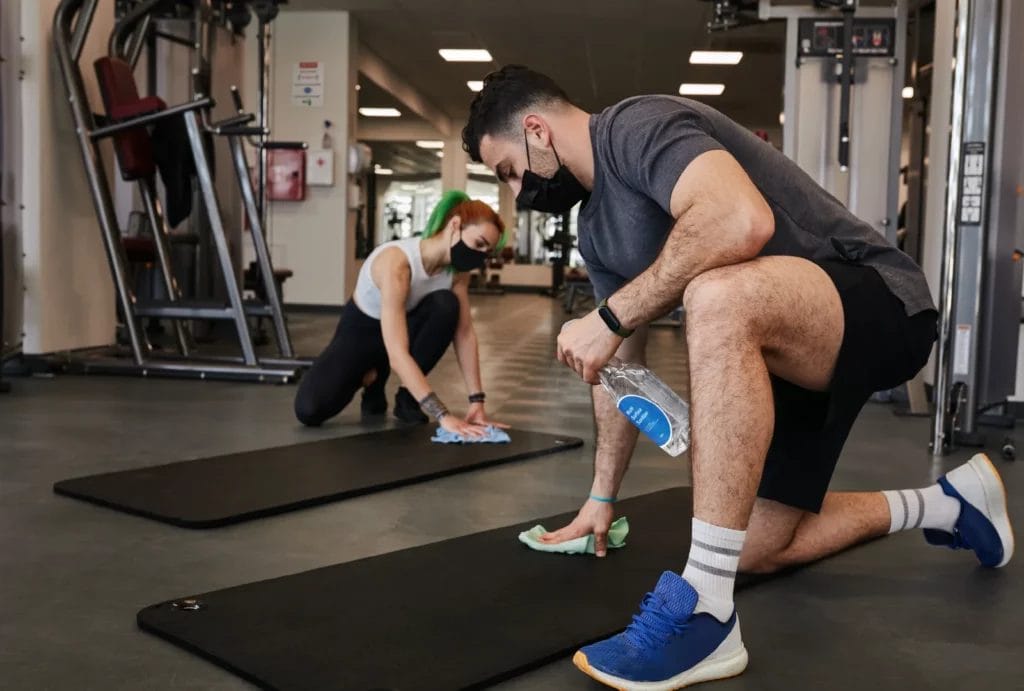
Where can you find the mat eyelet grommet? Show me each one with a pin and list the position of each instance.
(188, 605)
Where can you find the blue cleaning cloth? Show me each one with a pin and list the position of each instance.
(493, 435)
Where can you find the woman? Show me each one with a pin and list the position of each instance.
(411, 301)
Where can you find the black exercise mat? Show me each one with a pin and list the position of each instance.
(217, 491)
(461, 613)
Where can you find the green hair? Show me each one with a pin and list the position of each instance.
(438, 217)
(449, 200)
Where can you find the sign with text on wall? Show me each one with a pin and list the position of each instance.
(308, 84)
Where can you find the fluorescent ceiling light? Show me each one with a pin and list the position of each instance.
(380, 112)
(908, 92)
(715, 57)
(475, 85)
(430, 144)
(439, 154)
(465, 55)
(478, 169)
(701, 89)
(782, 118)
(383, 171)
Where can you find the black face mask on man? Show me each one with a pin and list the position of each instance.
(554, 195)
(465, 258)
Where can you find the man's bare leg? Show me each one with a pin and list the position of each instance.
(782, 536)
(779, 315)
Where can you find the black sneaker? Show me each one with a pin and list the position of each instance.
(407, 409)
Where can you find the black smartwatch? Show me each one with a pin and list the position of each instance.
(612, 321)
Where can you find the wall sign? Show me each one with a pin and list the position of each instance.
(308, 84)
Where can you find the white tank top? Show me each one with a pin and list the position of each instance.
(367, 294)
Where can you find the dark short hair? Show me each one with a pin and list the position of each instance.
(506, 94)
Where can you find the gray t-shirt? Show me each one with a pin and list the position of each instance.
(641, 147)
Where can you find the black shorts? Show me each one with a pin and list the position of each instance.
(882, 348)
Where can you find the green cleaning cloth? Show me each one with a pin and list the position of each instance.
(581, 545)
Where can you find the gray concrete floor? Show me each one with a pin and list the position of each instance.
(894, 614)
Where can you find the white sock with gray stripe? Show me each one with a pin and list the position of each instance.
(910, 509)
(711, 568)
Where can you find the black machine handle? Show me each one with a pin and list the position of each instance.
(233, 121)
(233, 131)
(286, 145)
(150, 118)
(848, 9)
(237, 98)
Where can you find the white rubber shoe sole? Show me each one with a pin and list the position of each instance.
(728, 660)
(979, 483)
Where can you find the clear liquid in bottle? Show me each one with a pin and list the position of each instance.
(655, 409)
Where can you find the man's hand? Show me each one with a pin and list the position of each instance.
(586, 345)
(595, 517)
(478, 416)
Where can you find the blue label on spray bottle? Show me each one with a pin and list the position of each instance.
(648, 417)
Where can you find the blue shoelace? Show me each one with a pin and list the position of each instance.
(652, 627)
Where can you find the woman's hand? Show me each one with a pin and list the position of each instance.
(465, 429)
(478, 416)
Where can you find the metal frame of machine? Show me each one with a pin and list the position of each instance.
(134, 31)
(980, 295)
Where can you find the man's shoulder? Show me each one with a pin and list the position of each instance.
(639, 107)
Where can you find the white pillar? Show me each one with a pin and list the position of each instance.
(315, 237)
(507, 211)
(453, 165)
(68, 290)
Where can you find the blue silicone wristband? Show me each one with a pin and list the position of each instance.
(603, 500)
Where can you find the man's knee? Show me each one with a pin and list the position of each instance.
(765, 560)
(723, 298)
(770, 544)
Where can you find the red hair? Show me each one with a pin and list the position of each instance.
(475, 211)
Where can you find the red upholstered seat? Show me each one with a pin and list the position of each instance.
(121, 99)
(149, 104)
(139, 250)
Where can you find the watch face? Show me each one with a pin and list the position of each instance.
(609, 318)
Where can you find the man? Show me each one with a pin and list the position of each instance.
(796, 311)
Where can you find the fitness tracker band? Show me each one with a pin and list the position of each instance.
(612, 321)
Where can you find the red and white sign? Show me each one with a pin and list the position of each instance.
(308, 84)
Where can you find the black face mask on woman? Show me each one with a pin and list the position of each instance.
(465, 258)
(554, 195)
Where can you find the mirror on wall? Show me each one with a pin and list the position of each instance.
(405, 186)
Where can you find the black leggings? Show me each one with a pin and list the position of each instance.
(358, 347)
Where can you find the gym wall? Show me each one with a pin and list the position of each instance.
(68, 297)
(315, 237)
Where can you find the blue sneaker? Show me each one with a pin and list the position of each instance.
(667, 646)
(983, 524)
